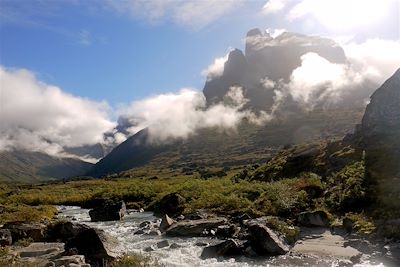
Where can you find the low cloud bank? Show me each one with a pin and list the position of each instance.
(39, 117)
(36, 116)
(179, 115)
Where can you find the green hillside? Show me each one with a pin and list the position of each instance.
(32, 167)
(211, 148)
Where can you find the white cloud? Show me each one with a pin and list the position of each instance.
(379, 58)
(188, 13)
(318, 80)
(267, 83)
(179, 115)
(274, 6)
(215, 69)
(275, 32)
(334, 15)
(41, 117)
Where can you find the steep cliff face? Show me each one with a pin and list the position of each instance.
(268, 58)
(380, 135)
(382, 115)
(235, 72)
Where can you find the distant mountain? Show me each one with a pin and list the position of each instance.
(265, 57)
(31, 167)
(211, 148)
(274, 59)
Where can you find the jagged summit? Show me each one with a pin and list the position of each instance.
(268, 57)
(254, 32)
(383, 112)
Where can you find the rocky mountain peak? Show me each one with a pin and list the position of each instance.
(254, 32)
(268, 57)
(382, 114)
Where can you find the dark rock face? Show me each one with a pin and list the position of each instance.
(227, 248)
(264, 241)
(274, 58)
(235, 70)
(316, 218)
(382, 115)
(19, 230)
(108, 212)
(201, 227)
(64, 230)
(95, 245)
(380, 138)
(172, 204)
(5, 237)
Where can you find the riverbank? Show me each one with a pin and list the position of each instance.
(314, 246)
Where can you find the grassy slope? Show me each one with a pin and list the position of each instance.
(212, 148)
(32, 167)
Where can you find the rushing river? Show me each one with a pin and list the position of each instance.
(188, 251)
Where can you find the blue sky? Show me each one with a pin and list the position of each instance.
(70, 68)
(105, 51)
(102, 54)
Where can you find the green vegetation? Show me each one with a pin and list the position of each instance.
(332, 178)
(347, 190)
(136, 260)
(361, 223)
(219, 195)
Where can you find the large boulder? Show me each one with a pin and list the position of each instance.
(5, 237)
(61, 231)
(201, 227)
(172, 204)
(109, 211)
(22, 230)
(96, 246)
(265, 241)
(318, 218)
(226, 248)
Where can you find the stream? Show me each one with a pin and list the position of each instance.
(188, 251)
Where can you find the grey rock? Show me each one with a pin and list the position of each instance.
(96, 245)
(166, 222)
(163, 244)
(174, 246)
(144, 224)
(317, 218)
(154, 232)
(195, 227)
(227, 248)
(265, 241)
(149, 249)
(5, 237)
(64, 230)
(139, 232)
(227, 231)
(201, 244)
(20, 230)
(40, 249)
(108, 212)
(68, 260)
(172, 204)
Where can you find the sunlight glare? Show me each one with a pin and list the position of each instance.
(342, 14)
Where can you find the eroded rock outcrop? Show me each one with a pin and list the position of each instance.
(379, 134)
